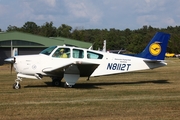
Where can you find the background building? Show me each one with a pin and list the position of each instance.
(25, 43)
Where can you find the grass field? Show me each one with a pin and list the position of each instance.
(144, 95)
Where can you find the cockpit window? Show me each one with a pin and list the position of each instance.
(62, 53)
(48, 51)
(92, 55)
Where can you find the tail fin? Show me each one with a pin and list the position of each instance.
(156, 48)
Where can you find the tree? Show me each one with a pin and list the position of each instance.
(30, 27)
(64, 31)
(77, 34)
(48, 30)
(12, 28)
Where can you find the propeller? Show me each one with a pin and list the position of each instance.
(10, 60)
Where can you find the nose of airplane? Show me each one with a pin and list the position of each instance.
(10, 60)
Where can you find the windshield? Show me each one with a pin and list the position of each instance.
(48, 51)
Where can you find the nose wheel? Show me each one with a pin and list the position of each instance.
(17, 85)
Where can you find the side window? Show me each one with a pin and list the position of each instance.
(78, 53)
(62, 53)
(92, 55)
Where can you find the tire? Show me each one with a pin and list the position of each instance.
(15, 86)
(56, 82)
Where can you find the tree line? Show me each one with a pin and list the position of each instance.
(132, 40)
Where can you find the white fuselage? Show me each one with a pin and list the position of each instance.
(110, 63)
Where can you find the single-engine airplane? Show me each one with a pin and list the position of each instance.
(70, 63)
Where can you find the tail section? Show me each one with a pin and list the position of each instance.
(156, 48)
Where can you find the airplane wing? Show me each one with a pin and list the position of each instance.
(85, 68)
(56, 69)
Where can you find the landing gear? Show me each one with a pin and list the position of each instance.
(17, 85)
(71, 75)
(56, 81)
(68, 86)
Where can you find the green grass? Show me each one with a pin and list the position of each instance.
(150, 94)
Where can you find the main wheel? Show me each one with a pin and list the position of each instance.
(68, 86)
(16, 86)
(56, 82)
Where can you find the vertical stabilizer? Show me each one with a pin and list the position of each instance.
(156, 48)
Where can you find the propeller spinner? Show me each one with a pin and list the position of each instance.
(11, 60)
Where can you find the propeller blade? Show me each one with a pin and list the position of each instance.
(11, 67)
(10, 60)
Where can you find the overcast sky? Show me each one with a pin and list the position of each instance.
(91, 14)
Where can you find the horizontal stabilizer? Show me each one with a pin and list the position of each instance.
(153, 61)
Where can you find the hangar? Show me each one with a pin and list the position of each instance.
(25, 43)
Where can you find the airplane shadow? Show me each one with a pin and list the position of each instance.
(97, 85)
